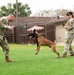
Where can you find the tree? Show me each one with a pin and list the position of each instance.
(46, 13)
(62, 12)
(23, 10)
(52, 13)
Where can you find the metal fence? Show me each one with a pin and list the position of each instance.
(21, 31)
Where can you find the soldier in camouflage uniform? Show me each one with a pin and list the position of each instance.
(3, 28)
(69, 35)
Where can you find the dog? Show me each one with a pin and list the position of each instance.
(42, 41)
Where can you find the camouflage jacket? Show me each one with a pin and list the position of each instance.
(70, 25)
(3, 26)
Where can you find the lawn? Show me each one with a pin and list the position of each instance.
(27, 63)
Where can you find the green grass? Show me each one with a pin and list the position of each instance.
(27, 63)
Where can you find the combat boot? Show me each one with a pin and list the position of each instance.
(63, 56)
(72, 55)
(7, 60)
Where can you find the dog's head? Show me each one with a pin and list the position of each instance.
(32, 35)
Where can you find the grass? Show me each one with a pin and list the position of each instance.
(27, 63)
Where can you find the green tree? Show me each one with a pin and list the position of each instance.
(23, 10)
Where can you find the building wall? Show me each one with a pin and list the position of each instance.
(49, 31)
(60, 32)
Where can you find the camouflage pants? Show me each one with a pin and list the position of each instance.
(5, 46)
(68, 41)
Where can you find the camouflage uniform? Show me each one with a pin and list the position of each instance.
(69, 35)
(3, 41)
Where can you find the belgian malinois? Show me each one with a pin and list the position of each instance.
(41, 40)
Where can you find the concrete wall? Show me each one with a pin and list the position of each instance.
(60, 33)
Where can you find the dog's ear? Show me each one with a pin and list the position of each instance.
(34, 31)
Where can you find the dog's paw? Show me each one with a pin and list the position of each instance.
(36, 53)
(57, 57)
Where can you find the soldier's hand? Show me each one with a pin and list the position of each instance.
(10, 27)
(65, 27)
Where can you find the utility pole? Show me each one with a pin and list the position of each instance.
(17, 23)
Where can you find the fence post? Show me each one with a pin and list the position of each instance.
(45, 30)
(26, 34)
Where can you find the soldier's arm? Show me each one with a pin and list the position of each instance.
(7, 26)
(4, 25)
(69, 25)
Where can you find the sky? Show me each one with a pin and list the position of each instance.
(39, 5)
